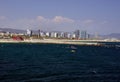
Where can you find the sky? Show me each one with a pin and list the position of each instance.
(94, 16)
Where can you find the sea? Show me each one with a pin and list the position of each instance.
(35, 62)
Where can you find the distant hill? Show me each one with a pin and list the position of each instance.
(107, 36)
(12, 30)
(113, 35)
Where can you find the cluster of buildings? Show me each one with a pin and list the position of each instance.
(77, 34)
(67, 35)
(7, 35)
(39, 34)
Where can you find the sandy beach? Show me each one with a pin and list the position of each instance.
(55, 41)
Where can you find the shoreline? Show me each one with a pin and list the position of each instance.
(58, 41)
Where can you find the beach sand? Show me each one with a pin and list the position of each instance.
(54, 41)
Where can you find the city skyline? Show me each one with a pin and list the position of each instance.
(101, 16)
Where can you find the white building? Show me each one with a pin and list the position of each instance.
(48, 34)
(54, 34)
(73, 35)
(29, 32)
(42, 34)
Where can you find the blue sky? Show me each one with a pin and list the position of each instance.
(101, 16)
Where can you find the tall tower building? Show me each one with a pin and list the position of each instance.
(83, 34)
(77, 34)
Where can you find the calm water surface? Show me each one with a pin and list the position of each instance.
(58, 63)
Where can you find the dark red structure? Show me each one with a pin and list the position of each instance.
(17, 38)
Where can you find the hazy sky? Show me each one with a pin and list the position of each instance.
(101, 16)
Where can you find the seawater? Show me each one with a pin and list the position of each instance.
(27, 62)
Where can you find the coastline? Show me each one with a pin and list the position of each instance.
(57, 41)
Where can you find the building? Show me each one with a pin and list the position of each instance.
(2, 33)
(61, 35)
(42, 34)
(77, 34)
(69, 35)
(54, 34)
(73, 36)
(38, 33)
(47, 34)
(83, 35)
(80, 34)
(29, 32)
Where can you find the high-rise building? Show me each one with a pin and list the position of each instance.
(77, 34)
(62, 35)
(69, 35)
(38, 33)
(83, 34)
(80, 34)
